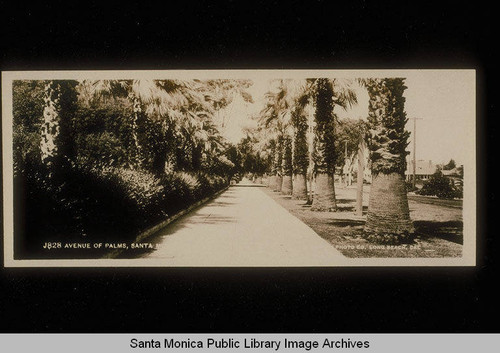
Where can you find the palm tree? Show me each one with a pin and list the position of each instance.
(278, 160)
(173, 108)
(177, 107)
(349, 132)
(271, 118)
(286, 163)
(263, 148)
(328, 93)
(136, 91)
(388, 218)
(59, 104)
(222, 92)
(300, 145)
(277, 115)
(300, 155)
(271, 147)
(189, 115)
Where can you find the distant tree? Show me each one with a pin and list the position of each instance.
(234, 156)
(221, 93)
(276, 116)
(28, 103)
(451, 165)
(348, 133)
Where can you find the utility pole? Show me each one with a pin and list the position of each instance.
(345, 166)
(310, 176)
(414, 149)
(359, 189)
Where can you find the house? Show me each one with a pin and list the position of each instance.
(424, 170)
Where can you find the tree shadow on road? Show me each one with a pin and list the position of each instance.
(211, 219)
(346, 223)
(449, 230)
(220, 203)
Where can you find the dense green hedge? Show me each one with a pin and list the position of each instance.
(103, 188)
(102, 204)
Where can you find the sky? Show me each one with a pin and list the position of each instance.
(443, 101)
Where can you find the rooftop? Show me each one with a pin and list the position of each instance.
(422, 167)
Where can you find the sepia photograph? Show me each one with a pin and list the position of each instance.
(176, 174)
(239, 168)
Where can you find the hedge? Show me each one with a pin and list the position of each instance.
(93, 204)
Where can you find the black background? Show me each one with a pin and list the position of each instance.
(245, 35)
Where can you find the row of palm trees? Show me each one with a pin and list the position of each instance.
(286, 118)
(184, 114)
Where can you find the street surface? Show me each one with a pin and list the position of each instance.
(241, 227)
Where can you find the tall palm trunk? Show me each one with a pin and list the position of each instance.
(196, 157)
(324, 148)
(138, 158)
(159, 163)
(271, 178)
(388, 219)
(272, 182)
(286, 166)
(56, 139)
(56, 144)
(51, 129)
(299, 191)
(300, 154)
(278, 159)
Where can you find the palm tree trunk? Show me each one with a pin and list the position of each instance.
(388, 211)
(324, 193)
(51, 126)
(56, 142)
(299, 191)
(138, 160)
(300, 153)
(159, 161)
(286, 166)
(277, 164)
(287, 185)
(196, 155)
(272, 182)
(279, 182)
(360, 180)
(324, 149)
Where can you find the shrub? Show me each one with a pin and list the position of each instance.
(191, 183)
(101, 203)
(410, 187)
(101, 148)
(440, 186)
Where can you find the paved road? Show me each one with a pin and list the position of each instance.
(242, 227)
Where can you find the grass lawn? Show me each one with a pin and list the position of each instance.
(439, 227)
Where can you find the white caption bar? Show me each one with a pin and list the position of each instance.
(408, 343)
